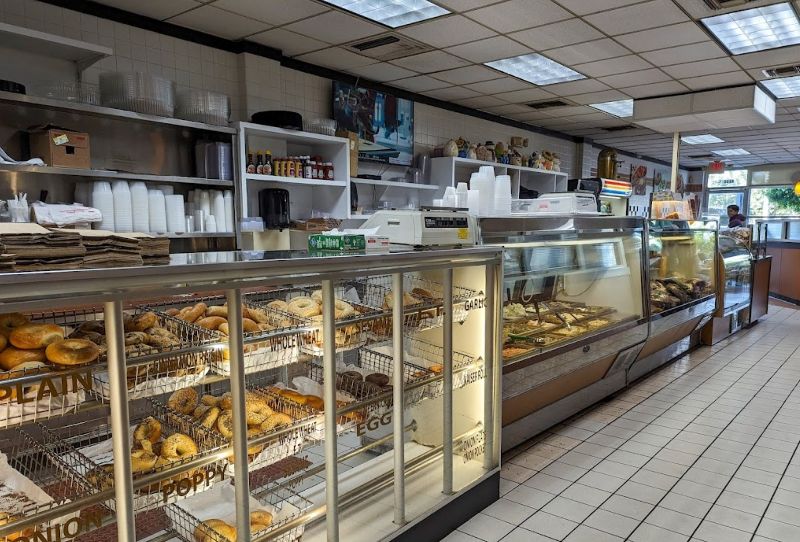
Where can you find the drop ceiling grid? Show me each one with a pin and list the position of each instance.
(660, 43)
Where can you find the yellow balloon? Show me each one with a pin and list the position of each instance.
(797, 189)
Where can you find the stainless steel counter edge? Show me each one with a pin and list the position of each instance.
(48, 289)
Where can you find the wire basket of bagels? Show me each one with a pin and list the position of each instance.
(422, 303)
(269, 342)
(32, 481)
(267, 413)
(161, 438)
(211, 516)
(353, 317)
(427, 356)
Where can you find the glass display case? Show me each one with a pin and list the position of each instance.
(253, 396)
(681, 259)
(735, 273)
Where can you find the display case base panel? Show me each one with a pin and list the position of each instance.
(656, 359)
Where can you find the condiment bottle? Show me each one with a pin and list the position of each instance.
(289, 168)
(268, 163)
(251, 166)
(259, 163)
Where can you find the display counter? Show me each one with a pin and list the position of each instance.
(333, 381)
(780, 239)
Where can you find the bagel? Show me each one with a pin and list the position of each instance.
(257, 411)
(183, 401)
(200, 411)
(217, 310)
(278, 305)
(223, 328)
(250, 326)
(24, 534)
(204, 528)
(142, 321)
(315, 402)
(209, 400)
(33, 336)
(135, 337)
(92, 326)
(211, 322)
(408, 299)
(261, 517)
(12, 357)
(195, 312)
(101, 477)
(343, 310)
(178, 446)
(10, 321)
(3, 342)
(142, 460)
(215, 530)
(210, 417)
(422, 292)
(72, 352)
(225, 424)
(172, 312)
(226, 401)
(305, 307)
(259, 316)
(277, 419)
(317, 296)
(149, 429)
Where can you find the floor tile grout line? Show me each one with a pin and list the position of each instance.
(723, 367)
(754, 366)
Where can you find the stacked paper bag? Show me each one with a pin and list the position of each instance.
(154, 250)
(34, 248)
(108, 249)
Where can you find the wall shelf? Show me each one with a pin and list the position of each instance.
(396, 184)
(474, 164)
(112, 175)
(195, 235)
(83, 53)
(295, 180)
(450, 170)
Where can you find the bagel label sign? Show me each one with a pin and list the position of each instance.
(69, 529)
(196, 479)
(49, 386)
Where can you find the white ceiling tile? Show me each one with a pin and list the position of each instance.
(495, 86)
(772, 57)
(656, 13)
(702, 67)
(289, 43)
(557, 34)
(524, 96)
(481, 102)
(577, 87)
(662, 37)
(432, 61)
(644, 77)
(717, 80)
(154, 10)
(383, 71)
(452, 93)
(656, 89)
(336, 57)
(489, 49)
(508, 109)
(684, 53)
(275, 12)
(613, 66)
(446, 31)
(219, 22)
(584, 7)
(336, 27)
(599, 97)
(420, 83)
(518, 14)
(464, 5)
(587, 52)
(466, 75)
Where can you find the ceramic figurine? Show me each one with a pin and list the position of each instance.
(450, 148)
(499, 150)
(472, 152)
(482, 153)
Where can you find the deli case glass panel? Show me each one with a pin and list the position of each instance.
(735, 273)
(566, 280)
(681, 260)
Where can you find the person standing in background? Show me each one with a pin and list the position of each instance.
(735, 218)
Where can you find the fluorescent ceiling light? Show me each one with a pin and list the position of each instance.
(785, 87)
(620, 108)
(393, 13)
(536, 69)
(730, 152)
(701, 139)
(756, 29)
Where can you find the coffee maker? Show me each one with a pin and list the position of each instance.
(273, 206)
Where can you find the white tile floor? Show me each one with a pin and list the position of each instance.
(705, 449)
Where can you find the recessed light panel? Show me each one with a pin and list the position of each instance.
(785, 87)
(730, 152)
(393, 13)
(701, 139)
(756, 29)
(619, 108)
(536, 69)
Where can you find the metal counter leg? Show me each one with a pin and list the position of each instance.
(447, 395)
(236, 349)
(120, 421)
(397, 401)
(329, 376)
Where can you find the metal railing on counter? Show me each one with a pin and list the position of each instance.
(113, 288)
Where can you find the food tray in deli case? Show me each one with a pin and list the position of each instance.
(211, 516)
(267, 412)
(430, 358)
(308, 389)
(422, 303)
(353, 322)
(269, 342)
(160, 441)
(33, 481)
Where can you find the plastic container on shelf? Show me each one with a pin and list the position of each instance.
(69, 91)
(137, 91)
(123, 208)
(157, 210)
(203, 106)
(176, 214)
(103, 200)
(218, 210)
(320, 126)
(140, 206)
(229, 213)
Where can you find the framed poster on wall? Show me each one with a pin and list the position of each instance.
(638, 179)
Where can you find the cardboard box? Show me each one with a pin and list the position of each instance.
(353, 137)
(62, 148)
(339, 243)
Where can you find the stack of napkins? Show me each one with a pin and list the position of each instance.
(155, 250)
(34, 248)
(108, 249)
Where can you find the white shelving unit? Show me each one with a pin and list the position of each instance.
(395, 184)
(113, 175)
(83, 53)
(449, 171)
(308, 197)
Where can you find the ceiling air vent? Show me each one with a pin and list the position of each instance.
(701, 156)
(620, 128)
(717, 5)
(783, 71)
(388, 47)
(548, 104)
